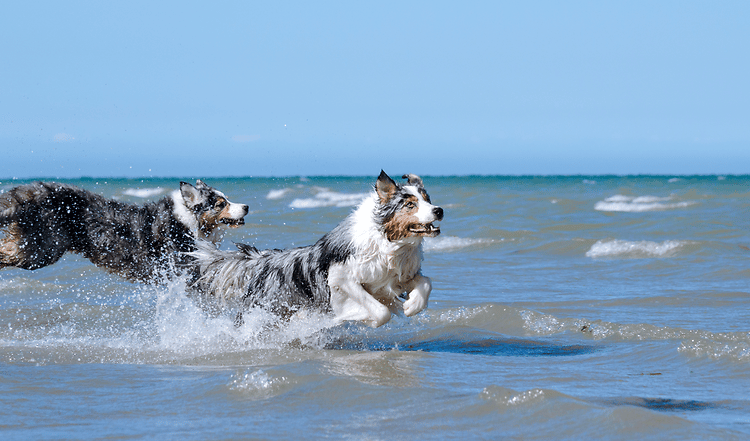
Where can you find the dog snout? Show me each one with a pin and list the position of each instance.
(245, 209)
(438, 212)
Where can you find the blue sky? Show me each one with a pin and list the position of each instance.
(347, 88)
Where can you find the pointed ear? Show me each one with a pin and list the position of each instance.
(200, 184)
(190, 194)
(385, 187)
(413, 180)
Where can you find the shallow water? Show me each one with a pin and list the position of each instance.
(563, 307)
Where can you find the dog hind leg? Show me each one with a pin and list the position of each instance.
(30, 251)
(11, 249)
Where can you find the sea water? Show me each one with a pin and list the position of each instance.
(597, 307)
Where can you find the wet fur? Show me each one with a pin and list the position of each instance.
(358, 271)
(44, 220)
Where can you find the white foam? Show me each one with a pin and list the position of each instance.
(444, 243)
(624, 248)
(144, 192)
(648, 199)
(278, 194)
(639, 204)
(327, 198)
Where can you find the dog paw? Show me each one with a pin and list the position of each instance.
(414, 305)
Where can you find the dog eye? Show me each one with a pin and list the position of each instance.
(410, 205)
(220, 204)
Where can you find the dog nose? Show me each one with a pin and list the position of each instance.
(438, 213)
(245, 209)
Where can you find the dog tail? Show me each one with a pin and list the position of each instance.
(223, 274)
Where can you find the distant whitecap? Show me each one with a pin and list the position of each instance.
(327, 198)
(444, 243)
(630, 204)
(634, 249)
(278, 194)
(143, 192)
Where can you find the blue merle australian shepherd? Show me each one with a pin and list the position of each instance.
(39, 222)
(359, 271)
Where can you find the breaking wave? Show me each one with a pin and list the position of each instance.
(716, 349)
(629, 204)
(634, 250)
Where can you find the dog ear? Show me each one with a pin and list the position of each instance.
(190, 194)
(385, 187)
(413, 180)
(200, 184)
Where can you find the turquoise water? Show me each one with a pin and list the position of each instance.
(563, 307)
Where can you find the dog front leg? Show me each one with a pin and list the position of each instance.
(419, 289)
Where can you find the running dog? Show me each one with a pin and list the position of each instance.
(144, 243)
(358, 271)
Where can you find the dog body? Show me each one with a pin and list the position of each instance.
(358, 271)
(44, 220)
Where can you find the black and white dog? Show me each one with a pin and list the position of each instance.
(43, 220)
(358, 271)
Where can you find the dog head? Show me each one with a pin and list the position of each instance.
(211, 207)
(405, 211)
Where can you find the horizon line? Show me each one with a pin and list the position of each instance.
(469, 175)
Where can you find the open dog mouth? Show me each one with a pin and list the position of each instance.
(232, 223)
(425, 229)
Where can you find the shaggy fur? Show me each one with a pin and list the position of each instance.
(358, 271)
(43, 220)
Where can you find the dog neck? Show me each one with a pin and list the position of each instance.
(187, 218)
(402, 257)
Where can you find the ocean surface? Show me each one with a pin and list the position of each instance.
(563, 308)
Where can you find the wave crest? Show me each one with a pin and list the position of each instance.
(508, 397)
